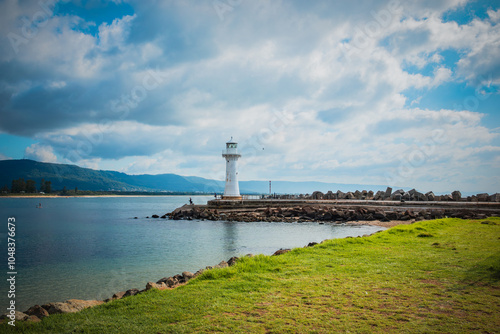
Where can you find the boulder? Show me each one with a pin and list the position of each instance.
(473, 198)
(379, 195)
(131, 292)
(330, 195)
(199, 272)
(349, 195)
(392, 215)
(232, 261)
(364, 194)
(369, 195)
(317, 195)
(171, 282)
(119, 295)
(18, 316)
(446, 197)
(281, 251)
(456, 195)
(418, 196)
(379, 215)
(430, 196)
(397, 195)
(309, 211)
(327, 216)
(388, 193)
(37, 311)
(158, 286)
(33, 318)
(483, 197)
(340, 194)
(58, 307)
(71, 306)
(81, 304)
(178, 278)
(222, 264)
(186, 275)
(163, 280)
(495, 197)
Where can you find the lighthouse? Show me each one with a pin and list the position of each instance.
(232, 189)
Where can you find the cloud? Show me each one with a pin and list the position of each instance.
(162, 88)
(42, 153)
(113, 141)
(114, 35)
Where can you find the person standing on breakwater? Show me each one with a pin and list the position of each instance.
(190, 201)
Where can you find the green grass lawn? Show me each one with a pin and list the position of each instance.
(440, 276)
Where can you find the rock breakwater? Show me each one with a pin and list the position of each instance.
(274, 212)
(389, 195)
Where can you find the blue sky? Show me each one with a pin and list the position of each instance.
(402, 93)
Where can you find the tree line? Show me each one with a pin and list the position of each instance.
(29, 186)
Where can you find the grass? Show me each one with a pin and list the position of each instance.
(440, 276)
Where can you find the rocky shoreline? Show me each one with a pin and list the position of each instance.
(38, 312)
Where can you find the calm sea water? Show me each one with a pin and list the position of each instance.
(90, 248)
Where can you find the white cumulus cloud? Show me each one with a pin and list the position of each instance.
(40, 152)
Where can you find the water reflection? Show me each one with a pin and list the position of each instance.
(230, 238)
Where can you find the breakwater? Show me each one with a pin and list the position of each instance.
(340, 211)
(389, 195)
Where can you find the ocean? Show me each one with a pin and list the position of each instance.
(92, 247)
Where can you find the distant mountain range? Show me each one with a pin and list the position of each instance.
(71, 176)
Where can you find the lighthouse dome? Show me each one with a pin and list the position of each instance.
(231, 143)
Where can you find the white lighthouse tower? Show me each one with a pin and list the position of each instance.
(232, 189)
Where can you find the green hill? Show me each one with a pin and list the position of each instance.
(71, 176)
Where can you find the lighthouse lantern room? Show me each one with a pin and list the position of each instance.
(232, 189)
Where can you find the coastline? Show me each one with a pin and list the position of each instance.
(37, 312)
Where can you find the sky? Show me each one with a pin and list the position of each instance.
(398, 93)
